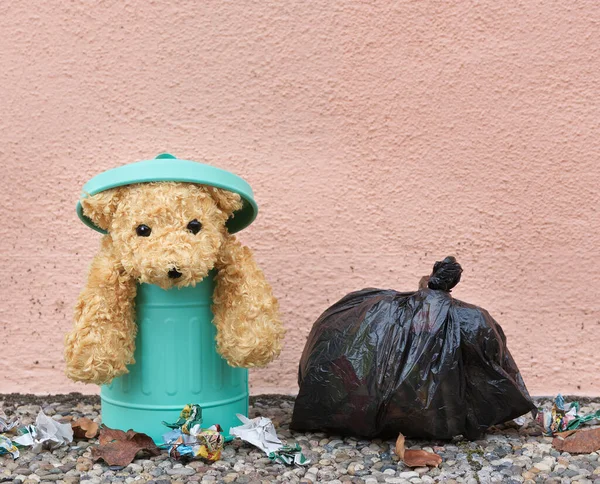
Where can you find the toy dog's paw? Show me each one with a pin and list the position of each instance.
(253, 344)
(87, 363)
(256, 357)
(99, 372)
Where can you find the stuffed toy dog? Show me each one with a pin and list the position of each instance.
(170, 234)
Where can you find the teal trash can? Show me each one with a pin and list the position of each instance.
(176, 358)
(176, 363)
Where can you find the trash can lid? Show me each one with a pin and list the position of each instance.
(166, 167)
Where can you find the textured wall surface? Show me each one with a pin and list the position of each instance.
(378, 137)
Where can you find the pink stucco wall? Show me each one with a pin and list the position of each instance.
(378, 137)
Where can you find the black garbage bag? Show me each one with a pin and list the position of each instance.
(380, 362)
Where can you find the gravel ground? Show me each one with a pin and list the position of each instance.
(508, 454)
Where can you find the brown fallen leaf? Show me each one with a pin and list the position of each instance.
(108, 435)
(578, 441)
(84, 428)
(565, 434)
(118, 448)
(416, 458)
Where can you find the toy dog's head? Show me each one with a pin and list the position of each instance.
(169, 234)
(164, 233)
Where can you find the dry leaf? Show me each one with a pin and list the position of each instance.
(578, 441)
(84, 428)
(118, 448)
(565, 434)
(416, 458)
(108, 435)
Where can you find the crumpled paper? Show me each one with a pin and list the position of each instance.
(46, 433)
(561, 417)
(520, 421)
(7, 423)
(7, 447)
(261, 433)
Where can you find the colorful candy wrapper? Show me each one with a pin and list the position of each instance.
(288, 455)
(190, 416)
(188, 440)
(561, 417)
(7, 447)
(201, 443)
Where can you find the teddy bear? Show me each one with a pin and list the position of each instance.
(170, 234)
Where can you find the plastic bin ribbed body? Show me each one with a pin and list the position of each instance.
(175, 363)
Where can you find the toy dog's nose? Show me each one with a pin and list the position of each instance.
(174, 274)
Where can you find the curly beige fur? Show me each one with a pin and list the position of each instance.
(102, 342)
(249, 331)
(244, 309)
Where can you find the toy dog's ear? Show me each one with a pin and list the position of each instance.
(101, 207)
(228, 202)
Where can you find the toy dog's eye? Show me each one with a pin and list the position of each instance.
(143, 230)
(194, 226)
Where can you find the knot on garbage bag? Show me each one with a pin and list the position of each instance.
(446, 274)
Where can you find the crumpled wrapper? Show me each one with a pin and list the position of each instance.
(7, 447)
(8, 423)
(201, 443)
(259, 432)
(46, 433)
(562, 417)
(190, 416)
(288, 455)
